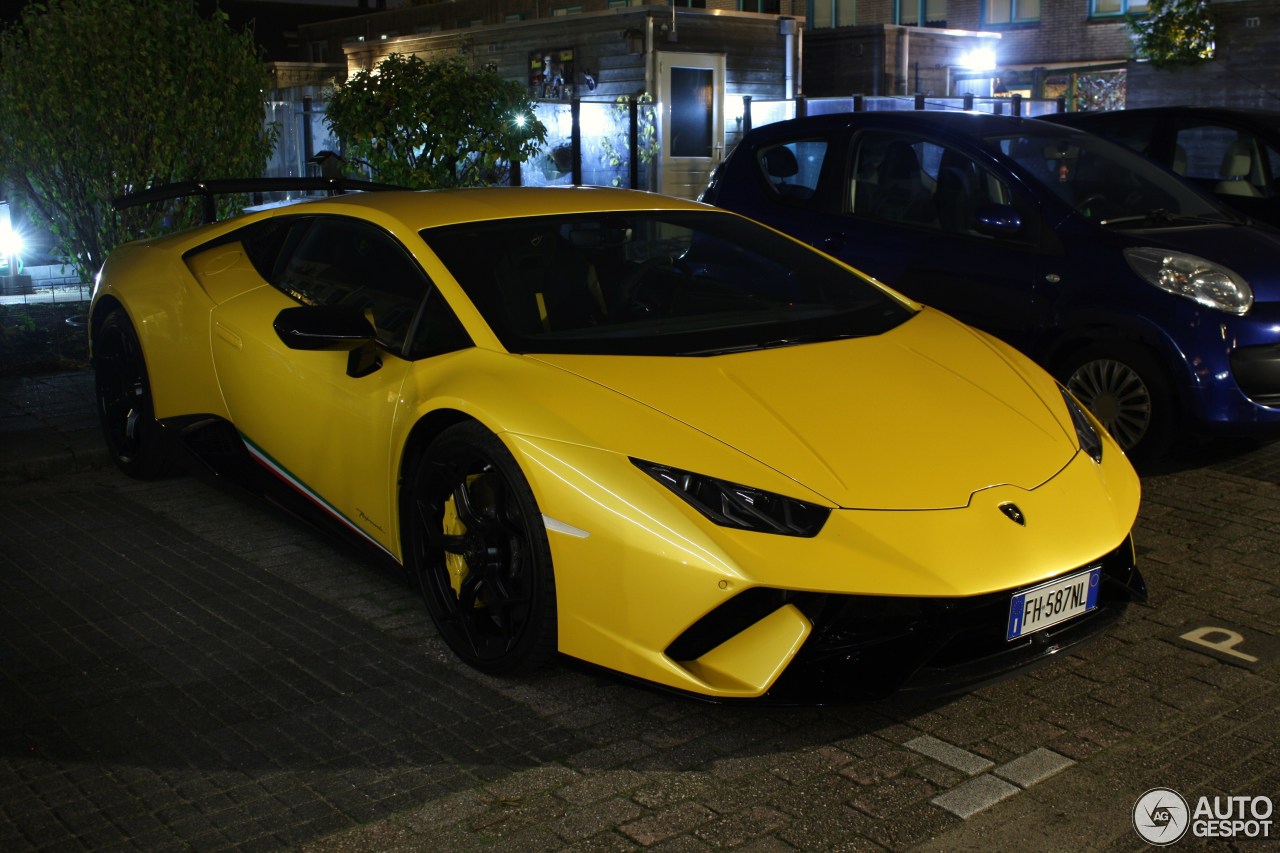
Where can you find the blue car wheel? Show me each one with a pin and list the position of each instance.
(1125, 388)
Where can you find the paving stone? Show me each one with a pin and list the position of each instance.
(978, 793)
(952, 756)
(1033, 767)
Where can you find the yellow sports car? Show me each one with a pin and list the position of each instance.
(642, 432)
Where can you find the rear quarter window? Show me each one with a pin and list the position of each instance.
(791, 170)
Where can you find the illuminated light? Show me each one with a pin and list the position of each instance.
(11, 242)
(978, 59)
(595, 120)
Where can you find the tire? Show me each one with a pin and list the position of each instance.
(478, 549)
(123, 397)
(1127, 389)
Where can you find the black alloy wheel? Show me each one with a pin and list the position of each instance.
(478, 548)
(124, 398)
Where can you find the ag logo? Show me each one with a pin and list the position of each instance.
(1161, 816)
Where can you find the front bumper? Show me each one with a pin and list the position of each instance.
(868, 647)
(1257, 372)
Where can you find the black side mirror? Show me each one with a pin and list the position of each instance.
(998, 220)
(331, 327)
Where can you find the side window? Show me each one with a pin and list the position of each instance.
(265, 241)
(340, 261)
(1206, 148)
(900, 178)
(889, 179)
(792, 169)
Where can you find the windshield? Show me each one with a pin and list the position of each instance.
(656, 283)
(1107, 183)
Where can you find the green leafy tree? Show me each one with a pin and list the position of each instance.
(103, 97)
(434, 124)
(1174, 32)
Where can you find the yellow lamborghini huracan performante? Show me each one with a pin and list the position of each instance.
(641, 432)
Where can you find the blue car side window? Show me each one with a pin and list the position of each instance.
(905, 179)
(791, 169)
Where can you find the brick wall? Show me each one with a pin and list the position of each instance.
(1244, 73)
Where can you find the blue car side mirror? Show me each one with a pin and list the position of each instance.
(998, 220)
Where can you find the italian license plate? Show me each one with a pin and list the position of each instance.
(1042, 606)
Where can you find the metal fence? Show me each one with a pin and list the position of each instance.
(756, 113)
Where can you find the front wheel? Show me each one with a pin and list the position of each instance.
(123, 396)
(1127, 389)
(478, 549)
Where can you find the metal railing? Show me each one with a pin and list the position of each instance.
(760, 112)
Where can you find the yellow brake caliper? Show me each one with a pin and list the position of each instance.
(452, 525)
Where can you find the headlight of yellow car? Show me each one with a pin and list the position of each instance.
(1086, 432)
(742, 507)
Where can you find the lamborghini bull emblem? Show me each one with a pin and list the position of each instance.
(1012, 513)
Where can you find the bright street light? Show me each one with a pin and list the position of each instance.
(979, 59)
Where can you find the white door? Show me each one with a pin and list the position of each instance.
(691, 95)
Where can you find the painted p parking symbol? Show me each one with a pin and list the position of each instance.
(1231, 644)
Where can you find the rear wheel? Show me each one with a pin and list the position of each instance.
(123, 395)
(478, 549)
(1125, 388)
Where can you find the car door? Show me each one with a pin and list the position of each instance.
(324, 432)
(929, 219)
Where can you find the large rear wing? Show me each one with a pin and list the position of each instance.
(258, 188)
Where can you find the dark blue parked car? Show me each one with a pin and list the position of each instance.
(1155, 305)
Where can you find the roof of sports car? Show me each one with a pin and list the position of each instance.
(429, 208)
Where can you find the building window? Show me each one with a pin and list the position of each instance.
(1116, 8)
(561, 11)
(1012, 11)
(764, 7)
(915, 13)
(824, 14)
(512, 17)
(619, 4)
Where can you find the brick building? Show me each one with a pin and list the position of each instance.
(1042, 48)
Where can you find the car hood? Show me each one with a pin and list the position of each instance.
(920, 417)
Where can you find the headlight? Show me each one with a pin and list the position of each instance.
(1086, 432)
(737, 506)
(1195, 278)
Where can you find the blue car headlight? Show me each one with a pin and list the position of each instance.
(741, 507)
(1195, 278)
(1086, 432)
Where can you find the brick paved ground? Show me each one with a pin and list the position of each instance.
(183, 669)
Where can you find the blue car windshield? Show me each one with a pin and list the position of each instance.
(1107, 183)
(656, 283)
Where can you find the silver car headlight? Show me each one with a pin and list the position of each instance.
(742, 507)
(1186, 275)
(1087, 434)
